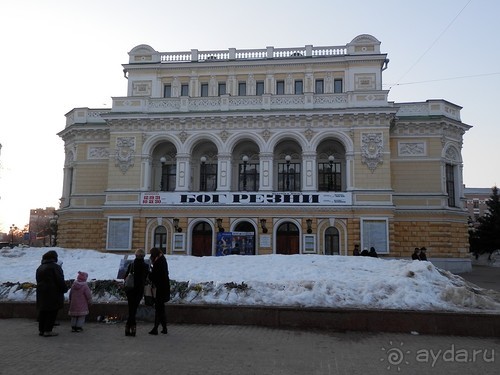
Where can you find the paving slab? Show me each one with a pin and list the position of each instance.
(227, 349)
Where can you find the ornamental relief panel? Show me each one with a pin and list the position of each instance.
(412, 149)
(141, 88)
(372, 148)
(124, 154)
(452, 154)
(95, 153)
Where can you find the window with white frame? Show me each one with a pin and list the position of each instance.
(280, 87)
(319, 86)
(299, 87)
(242, 88)
(375, 233)
(259, 88)
(337, 86)
(184, 90)
(119, 233)
(222, 89)
(167, 91)
(450, 185)
(204, 89)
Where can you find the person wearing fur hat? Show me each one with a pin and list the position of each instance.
(50, 289)
(80, 298)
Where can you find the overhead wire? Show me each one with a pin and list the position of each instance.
(432, 44)
(444, 79)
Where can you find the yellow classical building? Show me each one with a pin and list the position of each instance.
(265, 151)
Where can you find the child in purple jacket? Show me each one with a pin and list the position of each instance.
(80, 298)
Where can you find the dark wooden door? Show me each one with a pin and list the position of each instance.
(202, 240)
(287, 239)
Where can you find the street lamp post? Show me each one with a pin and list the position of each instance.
(288, 158)
(203, 181)
(245, 161)
(331, 158)
(163, 160)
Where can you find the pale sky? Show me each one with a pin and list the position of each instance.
(59, 55)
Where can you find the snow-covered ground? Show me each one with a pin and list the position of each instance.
(268, 280)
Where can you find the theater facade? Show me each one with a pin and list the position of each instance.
(265, 151)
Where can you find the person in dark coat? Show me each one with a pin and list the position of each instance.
(161, 282)
(355, 252)
(422, 254)
(50, 289)
(416, 255)
(140, 270)
(365, 252)
(373, 253)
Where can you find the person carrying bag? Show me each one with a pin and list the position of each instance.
(137, 272)
(161, 281)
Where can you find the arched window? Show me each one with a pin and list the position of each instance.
(160, 240)
(332, 241)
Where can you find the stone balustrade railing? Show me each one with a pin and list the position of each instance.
(252, 54)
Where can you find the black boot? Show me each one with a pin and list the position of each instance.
(154, 331)
(132, 330)
(127, 330)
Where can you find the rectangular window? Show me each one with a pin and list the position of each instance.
(222, 89)
(167, 91)
(450, 185)
(248, 177)
(289, 177)
(329, 177)
(476, 203)
(185, 90)
(242, 88)
(337, 86)
(259, 85)
(119, 233)
(280, 87)
(319, 86)
(204, 89)
(299, 87)
(168, 174)
(208, 177)
(375, 234)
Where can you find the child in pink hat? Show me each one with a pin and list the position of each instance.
(80, 298)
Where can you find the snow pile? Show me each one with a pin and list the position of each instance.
(266, 280)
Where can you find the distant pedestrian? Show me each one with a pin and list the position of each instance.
(416, 254)
(139, 269)
(50, 289)
(365, 252)
(422, 255)
(373, 253)
(161, 282)
(80, 297)
(355, 252)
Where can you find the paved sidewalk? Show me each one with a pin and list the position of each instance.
(484, 276)
(209, 349)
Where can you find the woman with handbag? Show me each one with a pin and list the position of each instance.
(161, 282)
(138, 271)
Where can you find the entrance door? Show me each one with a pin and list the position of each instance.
(332, 241)
(287, 239)
(202, 240)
